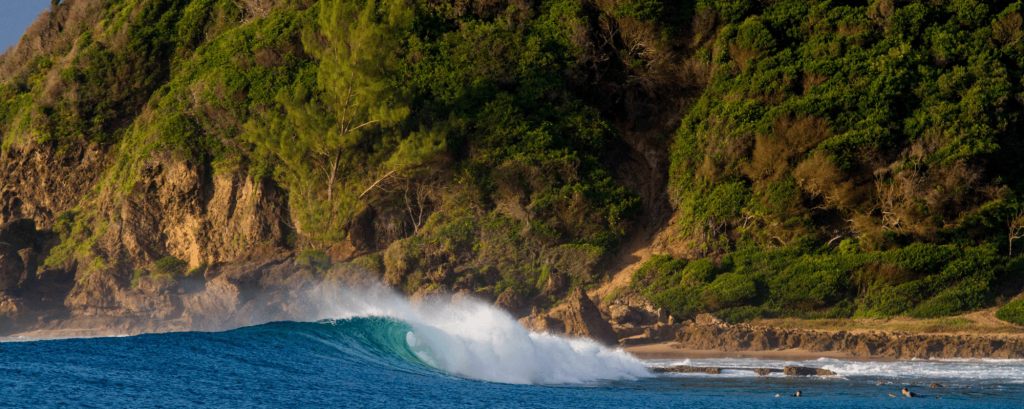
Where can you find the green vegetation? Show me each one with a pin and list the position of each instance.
(1013, 312)
(824, 159)
(817, 281)
(167, 268)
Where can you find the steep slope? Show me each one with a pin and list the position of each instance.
(185, 159)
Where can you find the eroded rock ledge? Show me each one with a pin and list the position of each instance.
(739, 338)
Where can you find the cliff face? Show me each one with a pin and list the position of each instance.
(174, 208)
(39, 182)
(174, 161)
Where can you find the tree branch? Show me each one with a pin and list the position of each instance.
(375, 183)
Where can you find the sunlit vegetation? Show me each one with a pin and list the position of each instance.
(825, 159)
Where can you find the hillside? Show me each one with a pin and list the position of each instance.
(181, 161)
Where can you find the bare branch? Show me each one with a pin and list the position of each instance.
(360, 126)
(375, 183)
(1016, 226)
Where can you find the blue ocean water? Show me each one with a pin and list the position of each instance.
(387, 362)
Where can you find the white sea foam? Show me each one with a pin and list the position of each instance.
(956, 371)
(477, 341)
(987, 370)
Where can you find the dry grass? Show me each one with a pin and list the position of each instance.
(791, 137)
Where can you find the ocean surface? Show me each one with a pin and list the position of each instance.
(457, 356)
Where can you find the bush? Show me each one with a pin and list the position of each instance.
(681, 301)
(697, 273)
(1012, 312)
(729, 290)
(740, 314)
(658, 274)
(170, 266)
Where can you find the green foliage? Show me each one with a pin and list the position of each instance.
(804, 280)
(740, 314)
(729, 290)
(1012, 312)
(373, 263)
(170, 266)
(167, 268)
(351, 104)
(649, 10)
(881, 114)
(78, 234)
(658, 274)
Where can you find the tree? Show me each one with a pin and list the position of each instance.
(316, 137)
(357, 49)
(1016, 225)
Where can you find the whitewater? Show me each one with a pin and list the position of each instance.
(370, 347)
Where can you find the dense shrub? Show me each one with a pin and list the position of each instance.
(805, 280)
(1012, 312)
(729, 290)
(170, 266)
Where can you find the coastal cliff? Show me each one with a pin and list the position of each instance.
(605, 168)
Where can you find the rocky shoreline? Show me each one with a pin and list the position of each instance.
(878, 344)
(708, 333)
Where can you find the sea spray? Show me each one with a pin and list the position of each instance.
(478, 341)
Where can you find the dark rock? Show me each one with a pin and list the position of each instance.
(688, 369)
(510, 301)
(361, 234)
(11, 268)
(762, 371)
(935, 385)
(804, 371)
(582, 318)
(19, 233)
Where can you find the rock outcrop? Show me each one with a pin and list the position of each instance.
(577, 316)
(510, 301)
(804, 371)
(582, 318)
(869, 344)
(688, 369)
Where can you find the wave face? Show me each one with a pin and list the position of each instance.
(479, 347)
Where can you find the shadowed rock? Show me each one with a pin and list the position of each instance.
(582, 318)
(688, 369)
(804, 371)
